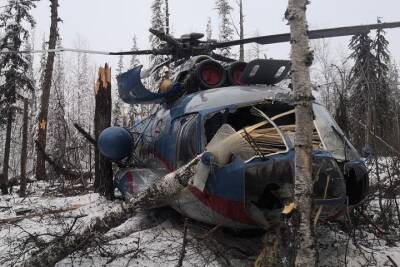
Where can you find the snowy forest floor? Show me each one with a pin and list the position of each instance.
(155, 238)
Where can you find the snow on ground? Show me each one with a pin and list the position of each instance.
(155, 238)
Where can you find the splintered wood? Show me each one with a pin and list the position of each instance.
(104, 79)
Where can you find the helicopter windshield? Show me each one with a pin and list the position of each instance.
(332, 136)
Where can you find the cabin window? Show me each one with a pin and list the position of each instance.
(187, 139)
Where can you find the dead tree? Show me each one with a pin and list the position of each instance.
(46, 86)
(24, 150)
(103, 182)
(302, 57)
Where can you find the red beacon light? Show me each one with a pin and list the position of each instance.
(234, 72)
(210, 74)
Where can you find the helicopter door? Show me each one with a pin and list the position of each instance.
(187, 139)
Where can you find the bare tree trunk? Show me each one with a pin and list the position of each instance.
(46, 86)
(241, 33)
(302, 57)
(6, 162)
(103, 182)
(24, 150)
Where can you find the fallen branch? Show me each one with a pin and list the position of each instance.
(85, 134)
(38, 214)
(184, 243)
(392, 261)
(59, 169)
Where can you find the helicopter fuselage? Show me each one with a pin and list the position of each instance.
(249, 189)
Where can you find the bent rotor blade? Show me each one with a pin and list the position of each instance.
(221, 57)
(57, 50)
(164, 37)
(315, 34)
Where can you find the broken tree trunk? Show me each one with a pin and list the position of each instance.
(46, 86)
(301, 57)
(103, 182)
(24, 150)
(161, 192)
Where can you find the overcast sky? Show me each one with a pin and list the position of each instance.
(110, 25)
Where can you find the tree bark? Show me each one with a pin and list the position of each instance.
(301, 57)
(24, 150)
(241, 29)
(4, 177)
(103, 182)
(46, 86)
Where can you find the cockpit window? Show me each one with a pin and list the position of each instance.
(187, 140)
(332, 136)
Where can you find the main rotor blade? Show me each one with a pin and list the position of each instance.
(133, 52)
(221, 57)
(165, 37)
(315, 34)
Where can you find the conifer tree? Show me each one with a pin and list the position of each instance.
(370, 92)
(117, 117)
(226, 31)
(381, 96)
(363, 73)
(14, 67)
(167, 14)
(209, 29)
(157, 23)
(133, 110)
(134, 58)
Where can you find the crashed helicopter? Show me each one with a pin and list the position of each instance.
(239, 123)
(242, 124)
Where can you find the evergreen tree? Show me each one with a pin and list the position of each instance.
(167, 14)
(363, 73)
(43, 60)
(14, 67)
(117, 116)
(209, 29)
(157, 23)
(133, 110)
(226, 31)
(370, 94)
(134, 58)
(381, 96)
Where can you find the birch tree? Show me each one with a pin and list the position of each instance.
(301, 57)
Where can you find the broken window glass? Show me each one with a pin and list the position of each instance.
(332, 136)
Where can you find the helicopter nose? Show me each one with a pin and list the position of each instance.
(115, 143)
